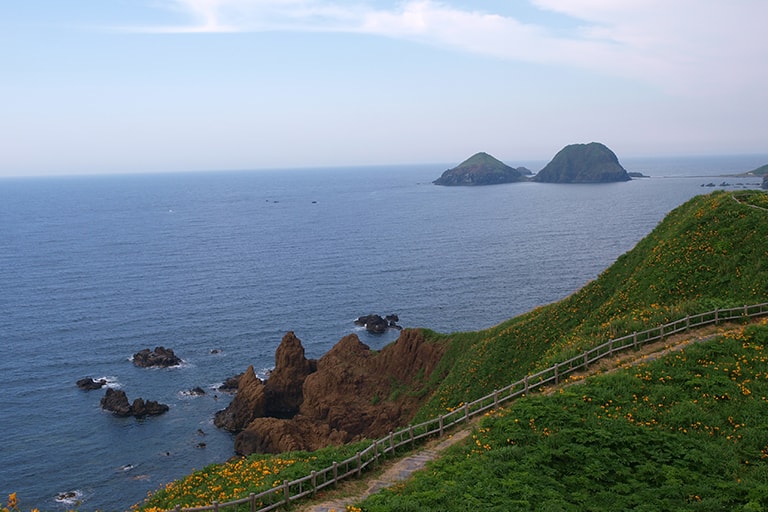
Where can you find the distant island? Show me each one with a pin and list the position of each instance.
(577, 163)
(583, 163)
(481, 169)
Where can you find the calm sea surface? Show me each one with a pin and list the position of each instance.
(219, 266)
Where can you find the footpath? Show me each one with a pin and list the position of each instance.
(397, 471)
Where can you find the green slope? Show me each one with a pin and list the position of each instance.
(687, 432)
(710, 252)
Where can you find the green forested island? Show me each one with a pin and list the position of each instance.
(576, 163)
(583, 163)
(685, 432)
(480, 169)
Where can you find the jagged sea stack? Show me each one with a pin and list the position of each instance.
(480, 169)
(583, 163)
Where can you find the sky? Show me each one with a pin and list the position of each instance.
(116, 86)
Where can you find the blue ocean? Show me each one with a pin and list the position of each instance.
(218, 266)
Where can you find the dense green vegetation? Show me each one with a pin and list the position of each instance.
(238, 478)
(688, 432)
(583, 163)
(480, 169)
(632, 440)
(710, 252)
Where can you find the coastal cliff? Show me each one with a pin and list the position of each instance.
(348, 394)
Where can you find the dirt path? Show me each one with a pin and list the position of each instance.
(399, 470)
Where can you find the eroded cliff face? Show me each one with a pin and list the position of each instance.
(349, 394)
(249, 403)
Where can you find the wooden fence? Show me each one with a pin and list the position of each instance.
(354, 466)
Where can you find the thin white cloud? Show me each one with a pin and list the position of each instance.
(692, 47)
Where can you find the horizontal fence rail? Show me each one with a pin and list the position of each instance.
(354, 466)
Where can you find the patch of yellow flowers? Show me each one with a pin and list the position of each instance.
(13, 504)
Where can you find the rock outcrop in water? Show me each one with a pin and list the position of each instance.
(89, 384)
(480, 169)
(349, 393)
(583, 163)
(377, 324)
(116, 402)
(161, 356)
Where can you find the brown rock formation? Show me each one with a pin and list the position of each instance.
(116, 402)
(249, 403)
(349, 394)
(283, 388)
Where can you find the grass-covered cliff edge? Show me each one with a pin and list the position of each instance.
(710, 252)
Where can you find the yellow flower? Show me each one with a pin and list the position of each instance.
(12, 501)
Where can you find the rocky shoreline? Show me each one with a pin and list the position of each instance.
(348, 394)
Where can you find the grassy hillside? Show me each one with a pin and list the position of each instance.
(633, 439)
(687, 432)
(710, 252)
(760, 171)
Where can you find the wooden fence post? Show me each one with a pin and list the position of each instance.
(335, 472)
(392, 442)
(687, 322)
(287, 490)
(441, 425)
(252, 501)
(634, 340)
(661, 329)
(557, 376)
(495, 398)
(215, 505)
(717, 315)
(359, 464)
(410, 434)
(586, 360)
(610, 347)
(466, 412)
(525, 384)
